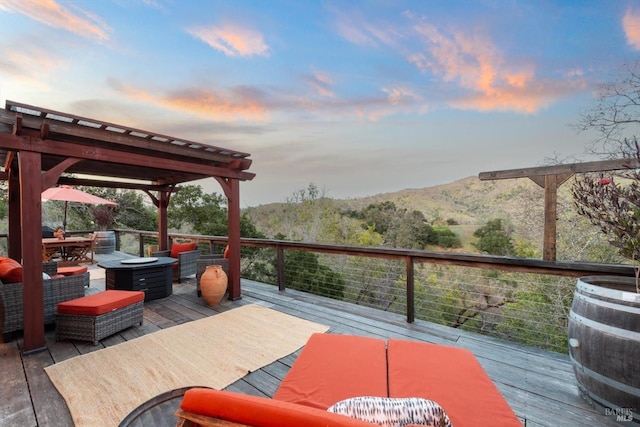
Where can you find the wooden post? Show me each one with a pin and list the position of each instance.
(30, 164)
(411, 310)
(163, 222)
(14, 249)
(280, 263)
(233, 212)
(550, 183)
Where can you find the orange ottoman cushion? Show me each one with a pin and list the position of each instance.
(72, 271)
(331, 368)
(259, 411)
(100, 303)
(450, 376)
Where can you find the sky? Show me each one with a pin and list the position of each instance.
(357, 97)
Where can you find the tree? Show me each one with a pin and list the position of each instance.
(206, 214)
(611, 204)
(493, 238)
(615, 116)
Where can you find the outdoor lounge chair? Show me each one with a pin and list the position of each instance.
(57, 289)
(186, 253)
(333, 369)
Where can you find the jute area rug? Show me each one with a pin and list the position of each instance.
(102, 387)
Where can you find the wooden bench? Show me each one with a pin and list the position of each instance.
(97, 316)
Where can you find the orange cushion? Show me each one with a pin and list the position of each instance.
(72, 271)
(176, 248)
(259, 411)
(10, 270)
(450, 376)
(331, 368)
(100, 303)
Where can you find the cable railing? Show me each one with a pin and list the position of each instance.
(518, 299)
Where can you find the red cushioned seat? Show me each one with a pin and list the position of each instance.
(333, 367)
(100, 303)
(72, 271)
(260, 411)
(450, 376)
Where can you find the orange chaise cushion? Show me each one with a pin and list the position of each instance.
(331, 368)
(177, 248)
(450, 376)
(260, 411)
(100, 303)
(10, 270)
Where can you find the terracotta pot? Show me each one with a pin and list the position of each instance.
(213, 284)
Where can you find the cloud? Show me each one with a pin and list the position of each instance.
(232, 40)
(320, 82)
(631, 26)
(239, 103)
(51, 13)
(489, 82)
(353, 27)
(31, 61)
(479, 75)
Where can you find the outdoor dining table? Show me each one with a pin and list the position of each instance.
(71, 250)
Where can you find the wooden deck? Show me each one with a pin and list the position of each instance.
(538, 385)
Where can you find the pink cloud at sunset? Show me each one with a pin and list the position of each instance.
(52, 14)
(474, 63)
(232, 40)
(201, 102)
(631, 26)
(30, 63)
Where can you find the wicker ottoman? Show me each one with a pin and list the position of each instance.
(97, 316)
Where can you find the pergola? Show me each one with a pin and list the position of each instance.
(38, 145)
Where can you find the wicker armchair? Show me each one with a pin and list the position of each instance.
(186, 263)
(206, 260)
(55, 291)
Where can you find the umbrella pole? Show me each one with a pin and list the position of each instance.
(64, 220)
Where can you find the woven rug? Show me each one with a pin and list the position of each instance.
(102, 387)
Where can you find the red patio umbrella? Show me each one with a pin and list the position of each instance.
(68, 194)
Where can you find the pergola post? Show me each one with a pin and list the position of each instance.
(163, 221)
(14, 248)
(31, 208)
(233, 212)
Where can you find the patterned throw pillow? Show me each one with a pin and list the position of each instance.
(393, 412)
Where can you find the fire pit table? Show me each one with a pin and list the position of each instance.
(153, 275)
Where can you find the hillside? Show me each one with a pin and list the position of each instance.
(468, 201)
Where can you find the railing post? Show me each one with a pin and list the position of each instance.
(117, 240)
(280, 265)
(410, 290)
(141, 244)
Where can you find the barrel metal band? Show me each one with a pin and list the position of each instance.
(634, 391)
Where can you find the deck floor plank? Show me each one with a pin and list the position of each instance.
(16, 408)
(538, 385)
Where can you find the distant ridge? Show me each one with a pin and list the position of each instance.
(468, 201)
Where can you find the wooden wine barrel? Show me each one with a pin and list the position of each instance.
(105, 242)
(604, 344)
